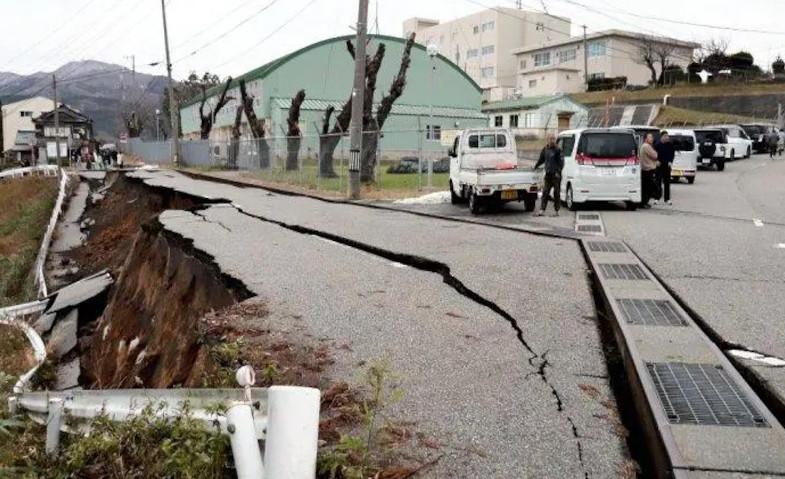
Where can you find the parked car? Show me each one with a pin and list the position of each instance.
(712, 146)
(685, 164)
(600, 165)
(485, 171)
(640, 132)
(757, 133)
(739, 144)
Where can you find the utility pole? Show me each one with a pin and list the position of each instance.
(358, 102)
(173, 113)
(585, 59)
(57, 121)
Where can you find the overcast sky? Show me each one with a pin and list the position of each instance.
(40, 35)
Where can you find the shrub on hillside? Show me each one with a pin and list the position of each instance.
(602, 84)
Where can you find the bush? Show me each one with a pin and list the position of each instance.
(408, 166)
(602, 84)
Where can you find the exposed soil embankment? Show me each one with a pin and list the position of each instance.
(148, 335)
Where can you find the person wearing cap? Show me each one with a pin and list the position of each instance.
(666, 152)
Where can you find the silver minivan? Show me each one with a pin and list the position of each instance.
(685, 163)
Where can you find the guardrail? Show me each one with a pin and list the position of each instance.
(46, 170)
(286, 417)
(8, 317)
(43, 252)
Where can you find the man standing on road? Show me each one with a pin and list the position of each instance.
(773, 139)
(649, 165)
(666, 152)
(553, 159)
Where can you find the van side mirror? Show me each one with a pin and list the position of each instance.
(451, 153)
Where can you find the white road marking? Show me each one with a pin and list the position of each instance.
(758, 223)
(753, 356)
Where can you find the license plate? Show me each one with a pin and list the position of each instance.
(510, 195)
(676, 173)
(706, 161)
(608, 171)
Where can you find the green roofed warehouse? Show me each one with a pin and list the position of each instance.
(325, 71)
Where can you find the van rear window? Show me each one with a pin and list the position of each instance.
(607, 145)
(713, 136)
(682, 142)
(487, 141)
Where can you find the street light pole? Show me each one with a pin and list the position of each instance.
(432, 50)
(358, 101)
(157, 124)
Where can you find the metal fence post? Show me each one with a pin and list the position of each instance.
(292, 432)
(245, 447)
(419, 154)
(378, 160)
(54, 422)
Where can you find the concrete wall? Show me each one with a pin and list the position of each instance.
(512, 29)
(550, 82)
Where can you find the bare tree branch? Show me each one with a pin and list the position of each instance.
(398, 84)
(326, 120)
(257, 125)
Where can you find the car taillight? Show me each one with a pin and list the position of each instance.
(632, 160)
(583, 160)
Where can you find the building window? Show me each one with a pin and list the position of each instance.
(476, 30)
(596, 76)
(433, 133)
(532, 83)
(26, 114)
(528, 120)
(523, 64)
(513, 121)
(597, 49)
(487, 27)
(498, 120)
(472, 53)
(567, 56)
(487, 72)
(542, 59)
(489, 50)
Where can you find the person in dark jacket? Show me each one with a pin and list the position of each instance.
(553, 159)
(666, 152)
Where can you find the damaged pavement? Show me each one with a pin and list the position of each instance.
(493, 333)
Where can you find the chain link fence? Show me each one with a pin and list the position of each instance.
(402, 160)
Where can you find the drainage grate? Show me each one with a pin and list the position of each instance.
(702, 394)
(590, 228)
(649, 312)
(623, 271)
(589, 217)
(606, 247)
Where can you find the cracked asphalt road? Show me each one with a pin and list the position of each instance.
(493, 332)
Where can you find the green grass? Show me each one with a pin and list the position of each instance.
(308, 178)
(672, 116)
(25, 208)
(684, 90)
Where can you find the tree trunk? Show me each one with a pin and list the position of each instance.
(264, 153)
(257, 125)
(207, 121)
(368, 158)
(327, 145)
(234, 146)
(294, 136)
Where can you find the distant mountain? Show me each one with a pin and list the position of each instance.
(102, 91)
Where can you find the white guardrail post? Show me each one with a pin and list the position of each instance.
(242, 437)
(54, 422)
(292, 432)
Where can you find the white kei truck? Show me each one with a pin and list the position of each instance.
(485, 171)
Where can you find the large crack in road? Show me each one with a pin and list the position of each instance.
(538, 361)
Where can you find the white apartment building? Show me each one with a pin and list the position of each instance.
(558, 67)
(19, 116)
(482, 43)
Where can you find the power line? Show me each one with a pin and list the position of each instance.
(207, 28)
(286, 23)
(234, 28)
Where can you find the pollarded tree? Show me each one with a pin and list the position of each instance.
(256, 125)
(208, 118)
(778, 67)
(294, 135)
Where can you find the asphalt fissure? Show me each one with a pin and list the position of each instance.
(629, 415)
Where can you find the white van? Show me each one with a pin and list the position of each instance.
(600, 165)
(685, 164)
(739, 144)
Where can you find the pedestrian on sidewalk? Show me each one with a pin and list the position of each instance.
(666, 152)
(649, 166)
(553, 159)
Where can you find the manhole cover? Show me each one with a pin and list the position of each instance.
(589, 217)
(650, 312)
(590, 228)
(702, 394)
(623, 271)
(606, 247)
